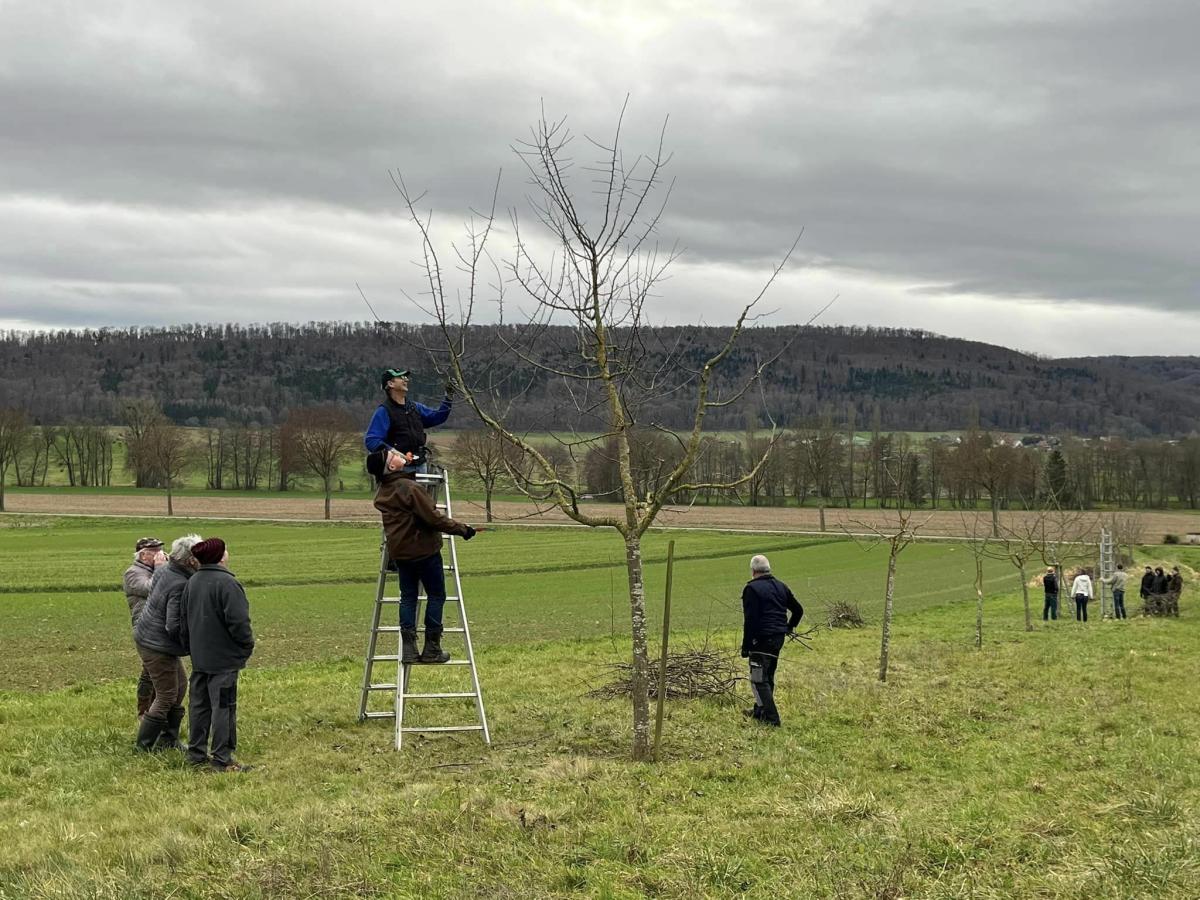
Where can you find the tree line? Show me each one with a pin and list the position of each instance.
(255, 374)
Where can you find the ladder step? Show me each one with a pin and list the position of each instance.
(395, 658)
(444, 728)
(395, 600)
(394, 629)
(442, 696)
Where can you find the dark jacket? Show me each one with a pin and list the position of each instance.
(1050, 583)
(215, 624)
(158, 627)
(137, 588)
(766, 604)
(1160, 585)
(412, 524)
(1147, 584)
(1175, 583)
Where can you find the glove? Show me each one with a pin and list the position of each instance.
(745, 653)
(451, 389)
(470, 533)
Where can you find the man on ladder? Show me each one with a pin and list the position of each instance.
(412, 523)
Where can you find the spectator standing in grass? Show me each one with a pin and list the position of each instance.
(215, 628)
(1117, 581)
(1081, 590)
(157, 637)
(1147, 584)
(769, 613)
(1050, 586)
(1174, 589)
(147, 555)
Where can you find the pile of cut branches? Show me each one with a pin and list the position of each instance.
(690, 674)
(843, 614)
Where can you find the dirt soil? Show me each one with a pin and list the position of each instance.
(936, 522)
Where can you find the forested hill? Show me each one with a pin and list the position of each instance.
(917, 381)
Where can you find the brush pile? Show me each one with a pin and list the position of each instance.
(690, 674)
(842, 614)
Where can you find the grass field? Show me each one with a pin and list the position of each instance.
(1058, 763)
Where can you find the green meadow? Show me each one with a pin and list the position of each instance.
(1054, 763)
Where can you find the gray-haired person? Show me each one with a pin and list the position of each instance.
(157, 638)
(770, 611)
(147, 555)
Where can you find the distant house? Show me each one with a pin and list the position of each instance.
(1193, 538)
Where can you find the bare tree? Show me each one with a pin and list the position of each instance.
(1018, 544)
(14, 432)
(902, 533)
(169, 450)
(487, 456)
(980, 543)
(603, 269)
(141, 417)
(322, 437)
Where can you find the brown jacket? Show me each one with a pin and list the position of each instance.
(411, 522)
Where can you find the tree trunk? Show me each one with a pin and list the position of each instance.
(995, 518)
(822, 513)
(170, 503)
(885, 643)
(328, 496)
(641, 663)
(3, 476)
(978, 604)
(1025, 593)
(487, 501)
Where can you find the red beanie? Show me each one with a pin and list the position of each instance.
(209, 551)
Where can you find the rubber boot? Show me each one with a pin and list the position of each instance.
(169, 739)
(433, 652)
(148, 733)
(408, 646)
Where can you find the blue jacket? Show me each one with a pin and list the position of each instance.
(376, 436)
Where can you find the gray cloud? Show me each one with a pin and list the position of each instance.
(1040, 158)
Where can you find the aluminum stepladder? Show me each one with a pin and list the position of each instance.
(437, 481)
(1107, 566)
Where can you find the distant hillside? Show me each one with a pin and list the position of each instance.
(911, 380)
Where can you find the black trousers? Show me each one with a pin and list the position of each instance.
(1050, 607)
(764, 659)
(212, 714)
(1081, 602)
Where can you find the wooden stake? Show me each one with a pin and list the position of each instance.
(662, 663)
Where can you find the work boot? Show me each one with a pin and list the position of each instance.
(408, 646)
(169, 739)
(433, 652)
(148, 733)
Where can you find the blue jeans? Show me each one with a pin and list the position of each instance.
(427, 572)
(1119, 604)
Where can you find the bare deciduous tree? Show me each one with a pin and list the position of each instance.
(898, 537)
(594, 264)
(321, 437)
(169, 450)
(487, 456)
(14, 432)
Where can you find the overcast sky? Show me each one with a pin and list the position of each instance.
(1024, 173)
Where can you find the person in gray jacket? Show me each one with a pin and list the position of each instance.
(215, 627)
(147, 555)
(156, 636)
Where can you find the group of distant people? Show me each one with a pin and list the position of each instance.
(1159, 591)
(188, 603)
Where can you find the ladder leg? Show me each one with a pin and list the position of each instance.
(369, 665)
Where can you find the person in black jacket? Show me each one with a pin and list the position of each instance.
(1147, 583)
(1050, 584)
(215, 627)
(161, 651)
(770, 612)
